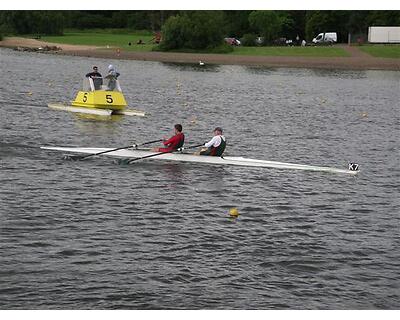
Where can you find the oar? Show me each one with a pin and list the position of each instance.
(79, 157)
(144, 143)
(128, 161)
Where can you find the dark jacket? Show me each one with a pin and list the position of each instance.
(93, 74)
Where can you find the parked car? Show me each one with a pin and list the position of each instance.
(289, 43)
(325, 37)
(279, 42)
(232, 41)
(283, 42)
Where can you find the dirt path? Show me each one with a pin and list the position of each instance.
(355, 52)
(14, 42)
(357, 61)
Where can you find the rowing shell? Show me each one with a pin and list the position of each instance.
(187, 157)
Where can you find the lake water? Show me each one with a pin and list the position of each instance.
(156, 235)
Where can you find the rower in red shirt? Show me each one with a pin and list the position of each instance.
(175, 142)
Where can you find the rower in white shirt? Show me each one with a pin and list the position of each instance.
(216, 146)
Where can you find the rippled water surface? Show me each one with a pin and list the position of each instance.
(157, 235)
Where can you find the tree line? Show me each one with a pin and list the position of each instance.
(201, 29)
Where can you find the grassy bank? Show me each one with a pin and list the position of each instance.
(292, 51)
(382, 51)
(121, 39)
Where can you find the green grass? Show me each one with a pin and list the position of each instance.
(292, 51)
(111, 37)
(110, 31)
(382, 51)
(104, 39)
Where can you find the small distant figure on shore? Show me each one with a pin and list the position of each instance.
(157, 37)
(139, 41)
(96, 77)
(112, 77)
(303, 43)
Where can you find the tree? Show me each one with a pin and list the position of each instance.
(383, 18)
(138, 20)
(339, 21)
(30, 22)
(236, 23)
(19, 22)
(193, 30)
(356, 22)
(174, 32)
(297, 25)
(315, 23)
(206, 29)
(119, 19)
(51, 23)
(269, 24)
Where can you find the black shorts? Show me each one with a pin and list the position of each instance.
(205, 152)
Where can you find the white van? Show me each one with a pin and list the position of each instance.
(325, 37)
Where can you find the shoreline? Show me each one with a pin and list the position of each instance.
(357, 60)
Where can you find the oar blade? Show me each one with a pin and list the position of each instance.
(72, 157)
(123, 162)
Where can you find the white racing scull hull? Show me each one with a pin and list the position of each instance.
(187, 157)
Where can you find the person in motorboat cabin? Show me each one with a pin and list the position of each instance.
(216, 146)
(94, 73)
(96, 77)
(112, 77)
(173, 143)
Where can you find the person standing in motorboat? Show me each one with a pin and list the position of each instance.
(173, 143)
(96, 77)
(216, 146)
(94, 73)
(112, 77)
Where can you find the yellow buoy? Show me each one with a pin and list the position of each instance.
(233, 212)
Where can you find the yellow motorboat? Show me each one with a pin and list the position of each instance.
(99, 98)
(97, 95)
